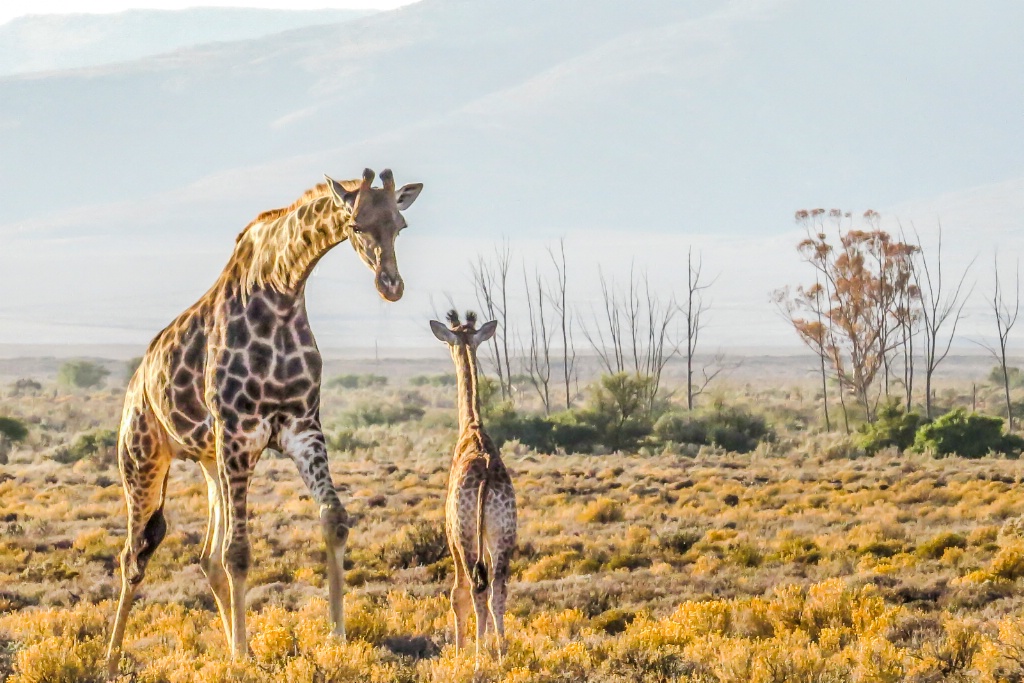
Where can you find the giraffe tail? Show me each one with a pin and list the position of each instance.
(479, 571)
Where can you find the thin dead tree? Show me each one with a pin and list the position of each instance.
(1006, 318)
(661, 345)
(537, 361)
(490, 279)
(610, 351)
(564, 317)
(941, 309)
(813, 333)
(694, 312)
(635, 332)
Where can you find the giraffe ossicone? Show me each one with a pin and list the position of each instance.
(239, 372)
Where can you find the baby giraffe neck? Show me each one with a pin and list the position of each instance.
(469, 396)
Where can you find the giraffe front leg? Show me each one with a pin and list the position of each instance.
(236, 557)
(309, 452)
(211, 558)
(237, 456)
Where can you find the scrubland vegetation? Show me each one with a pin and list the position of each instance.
(808, 556)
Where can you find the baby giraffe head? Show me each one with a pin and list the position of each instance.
(463, 338)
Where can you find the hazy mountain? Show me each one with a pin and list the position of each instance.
(70, 41)
(635, 128)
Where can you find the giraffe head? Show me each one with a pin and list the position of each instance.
(376, 222)
(459, 336)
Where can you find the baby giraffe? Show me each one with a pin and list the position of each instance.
(480, 512)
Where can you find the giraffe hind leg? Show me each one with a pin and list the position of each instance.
(144, 463)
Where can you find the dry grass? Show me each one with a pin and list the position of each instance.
(788, 564)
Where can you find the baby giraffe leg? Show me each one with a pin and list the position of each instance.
(460, 600)
(499, 591)
(480, 608)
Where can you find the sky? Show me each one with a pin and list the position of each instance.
(10, 9)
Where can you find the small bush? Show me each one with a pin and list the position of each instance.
(731, 428)
(25, 387)
(82, 374)
(935, 547)
(613, 621)
(448, 380)
(422, 544)
(367, 414)
(99, 444)
(12, 430)
(680, 541)
(996, 377)
(1008, 563)
(746, 555)
(601, 511)
(618, 410)
(357, 381)
(627, 561)
(345, 440)
(893, 427)
(558, 432)
(968, 435)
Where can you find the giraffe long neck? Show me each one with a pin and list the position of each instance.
(279, 249)
(469, 395)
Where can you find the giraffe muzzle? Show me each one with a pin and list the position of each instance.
(390, 286)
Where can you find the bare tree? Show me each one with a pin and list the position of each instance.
(609, 350)
(813, 333)
(1006, 318)
(491, 283)
(694, 311)
(635, 325)
(537, 361)
(941, 310)
(564, 317)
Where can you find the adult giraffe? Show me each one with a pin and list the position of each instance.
(238, 372)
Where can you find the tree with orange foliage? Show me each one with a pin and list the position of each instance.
(851, 317)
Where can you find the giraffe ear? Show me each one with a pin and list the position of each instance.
(485, 332)
(407, 194)
(343, 192)
(442, 333)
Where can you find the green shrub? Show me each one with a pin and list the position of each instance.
(99, 444)
(345, 440)
(26, 387)
(968, 435)
(731, 428)
(12, 429)
(601, 511)
(893, 427)
(933, 548)
(357, 381)
(618, 411)
(447, 380)
(995, 376)
(561, 431)
(366, 414)
(419, 545)
(82, 374)
(746, 555)
(613, 621)
(680, 541)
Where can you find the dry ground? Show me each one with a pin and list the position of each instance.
(794, 563)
